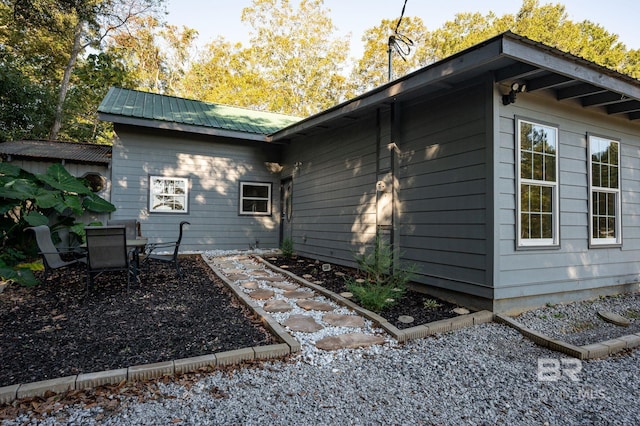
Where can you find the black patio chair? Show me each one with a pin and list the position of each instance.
(51, 255)
(131, 225)
(154, 252)
(107, 252)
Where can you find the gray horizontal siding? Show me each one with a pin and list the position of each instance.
(442, 193)
(334, 198)
(573, 265)
(215, 169)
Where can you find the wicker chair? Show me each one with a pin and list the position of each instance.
(50, 254)
(107, 252)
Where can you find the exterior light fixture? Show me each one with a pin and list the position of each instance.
(511, 96)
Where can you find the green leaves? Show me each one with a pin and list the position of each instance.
(54, 198)
(36, 219)
(94, 203)
(59, 178)
(21, 276)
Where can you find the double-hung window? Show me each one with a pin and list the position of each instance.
(604, 162)
(255, 198)
(538, 218)
(168, 194)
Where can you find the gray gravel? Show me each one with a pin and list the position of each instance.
(579, 323)
(486, 374)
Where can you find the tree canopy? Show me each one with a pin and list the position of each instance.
(59, 57)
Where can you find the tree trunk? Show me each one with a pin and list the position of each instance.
(64, 85)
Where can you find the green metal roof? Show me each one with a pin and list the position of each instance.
(124, 105)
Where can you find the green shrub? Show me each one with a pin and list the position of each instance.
(287, 248)
(431, 304)
(374, 296)
(383, 285)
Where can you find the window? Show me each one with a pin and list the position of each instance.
(96, 181)
(604, 162)
(537, 167)
(255, 198)
(168, 194)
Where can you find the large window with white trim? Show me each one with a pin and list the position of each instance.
(538, 215)
(168, 194)
(605, 204)
(255, 198)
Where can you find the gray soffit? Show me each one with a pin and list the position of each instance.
(508, 58)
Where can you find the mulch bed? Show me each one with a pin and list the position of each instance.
(412, 304)
(56, 329)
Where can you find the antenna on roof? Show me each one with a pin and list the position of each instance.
(398, 42)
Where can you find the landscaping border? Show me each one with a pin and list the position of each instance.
(590, 351)
(417, 332)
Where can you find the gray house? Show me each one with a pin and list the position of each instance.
(507, 173)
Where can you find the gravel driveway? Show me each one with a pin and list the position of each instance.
(487, 374)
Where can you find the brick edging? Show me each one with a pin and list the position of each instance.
(591, 351)
(159, 369)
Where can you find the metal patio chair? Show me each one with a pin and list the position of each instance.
(107, 252)
(153, 252)
(51, 254)
(131, 225)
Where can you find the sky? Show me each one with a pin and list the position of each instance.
(214, 18)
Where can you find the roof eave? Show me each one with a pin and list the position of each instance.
(433, 74)
(180, 127)
(537, 54)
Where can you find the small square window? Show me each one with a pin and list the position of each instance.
(168, 194)
(255, 198)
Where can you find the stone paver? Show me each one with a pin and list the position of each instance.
(302, 323)
(251, 285)
(285, 286)
(298, 294)
(238, 277)
(261, 294)
(352, 341)
(614, 318)
(314, 305)
(269, 279)
(339, 320)
(277, 306)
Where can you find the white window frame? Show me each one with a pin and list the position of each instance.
(617, 239)
(268, 198)
(153, 193)
(554, 241)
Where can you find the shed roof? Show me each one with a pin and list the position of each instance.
(55, 150)
(168, 112)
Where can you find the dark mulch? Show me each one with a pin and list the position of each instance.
(412, 304)
(56, 329)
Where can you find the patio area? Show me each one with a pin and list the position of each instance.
(56, 329)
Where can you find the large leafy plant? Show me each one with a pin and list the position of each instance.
(55, 198)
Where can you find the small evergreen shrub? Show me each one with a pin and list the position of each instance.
(287, 248)
(383, 285)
